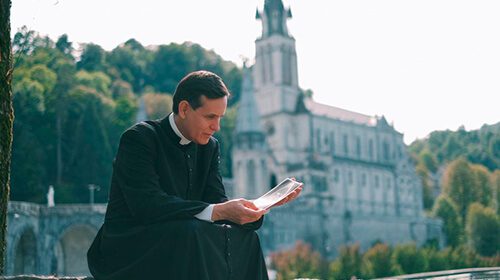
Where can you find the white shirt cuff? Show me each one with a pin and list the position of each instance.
(206, 214)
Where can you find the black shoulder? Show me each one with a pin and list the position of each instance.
(143, 131)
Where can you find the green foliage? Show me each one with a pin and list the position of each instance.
(483, 186)
(225, 137)
(428, 160)
(458, 184)
(298, 262)
(483, 230)
(446, 209)
(129, 62)
(477, 146)
(495, 179)
(436, 260)
(427, 186)
(463, 152)
(157, 105)
(98, 81)
(64, 45)
(377, 261)
(463, 257)
(93, 58)
(348, 264)
(407, 259)
(71, 114)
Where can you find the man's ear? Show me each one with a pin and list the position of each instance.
(183, 108)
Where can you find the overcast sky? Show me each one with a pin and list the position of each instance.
(426, 65)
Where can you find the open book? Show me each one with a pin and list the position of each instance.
(276, 194)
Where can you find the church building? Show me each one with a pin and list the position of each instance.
(359, 182)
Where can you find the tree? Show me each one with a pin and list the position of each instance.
(225, 137)
(496, 186)
(446, 209)
(64, 45)
(6, 120)
(482, 186)
(93, 58)
(427, 186)
(300, 261)
(436, 260)
(348, 263)
(429, 160)
(458, 184)
(377, 261)
(483, 230)
(129, 61)
(407, 259)
(157, 105)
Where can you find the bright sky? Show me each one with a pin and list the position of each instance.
(426, 65)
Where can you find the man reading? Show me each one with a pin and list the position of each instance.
(168, 216)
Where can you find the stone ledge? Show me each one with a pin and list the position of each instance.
(33, 277)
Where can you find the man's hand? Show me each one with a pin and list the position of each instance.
(240, 211)
(289, 197)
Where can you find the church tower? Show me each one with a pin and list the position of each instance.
(249, 151)
(276, 78)
(275, 69)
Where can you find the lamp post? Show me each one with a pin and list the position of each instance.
(92, 188)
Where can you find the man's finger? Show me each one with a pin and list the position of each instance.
(249, 204)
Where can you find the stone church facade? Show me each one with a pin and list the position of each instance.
(360, 184)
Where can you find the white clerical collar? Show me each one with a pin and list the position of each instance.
(184, 140)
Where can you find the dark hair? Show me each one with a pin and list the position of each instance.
(196, 84)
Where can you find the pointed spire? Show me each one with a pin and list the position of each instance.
(383, 124)
(248, 114)
(274, 18)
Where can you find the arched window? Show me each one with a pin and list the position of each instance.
(332, 142)
(358, 147)
(385, 150)
(318, 140)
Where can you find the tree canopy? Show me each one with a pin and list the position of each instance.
(71, 110)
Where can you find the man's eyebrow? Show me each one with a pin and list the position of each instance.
(214, 115)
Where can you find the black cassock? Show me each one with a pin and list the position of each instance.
(150, 231)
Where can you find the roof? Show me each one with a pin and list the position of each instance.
(319, 109)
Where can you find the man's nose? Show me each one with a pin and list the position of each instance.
(215, 125)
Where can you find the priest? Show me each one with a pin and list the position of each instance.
(168, 216)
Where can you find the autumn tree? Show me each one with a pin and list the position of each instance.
(300, 261)
(377, 261)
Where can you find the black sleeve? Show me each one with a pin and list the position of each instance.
(138, 180)
(249, 226)
(214, 190)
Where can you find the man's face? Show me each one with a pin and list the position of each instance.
(203, 122)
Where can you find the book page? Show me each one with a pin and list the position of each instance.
(277, 193)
